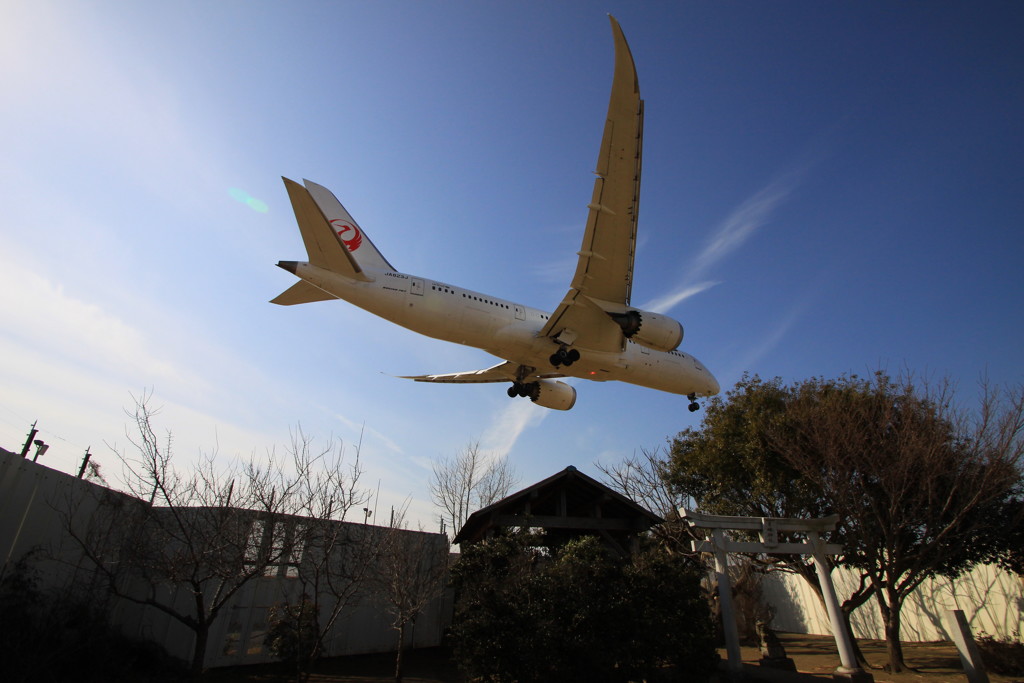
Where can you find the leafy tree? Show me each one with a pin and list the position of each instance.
(917, 482)
(526, 613)
(1008, 552)
(731, 465)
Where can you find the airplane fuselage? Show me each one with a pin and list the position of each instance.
(504, 329)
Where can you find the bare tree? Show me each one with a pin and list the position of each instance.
(410, 572)
(185, 544)
(178, 532)
(329, 558)
(643, 479)
(469, 481)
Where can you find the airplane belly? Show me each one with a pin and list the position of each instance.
(439, 313)
(518, 342)
(382, 297)
(675, 373)
(637, 365)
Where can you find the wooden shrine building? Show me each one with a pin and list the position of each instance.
(566, 505)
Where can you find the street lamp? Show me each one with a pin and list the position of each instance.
(40, 448)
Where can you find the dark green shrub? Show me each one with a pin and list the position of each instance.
(1003, 656)
(293, 632)
(578, 614)
(65, 636)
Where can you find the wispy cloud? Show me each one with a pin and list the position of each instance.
(367, 431)
(47, 317)
(768, 342)
(667, 301)
(508, 424)
(730, 235)
(740, 225)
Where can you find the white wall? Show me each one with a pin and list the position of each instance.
(992, 601)
(33, 501)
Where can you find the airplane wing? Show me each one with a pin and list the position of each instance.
(503, 372)
(604, 272)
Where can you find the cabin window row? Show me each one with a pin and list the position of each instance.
(445, 290)
(485, 301)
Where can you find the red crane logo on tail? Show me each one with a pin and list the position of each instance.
(349, 233)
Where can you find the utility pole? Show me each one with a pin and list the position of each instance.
(28, 441)
(85, 461)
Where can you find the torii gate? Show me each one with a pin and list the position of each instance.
(768, 528)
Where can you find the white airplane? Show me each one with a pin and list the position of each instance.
(593, 334)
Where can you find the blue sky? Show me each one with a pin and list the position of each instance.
(828, 188)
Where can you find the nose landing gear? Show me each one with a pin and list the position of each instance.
(694, 406)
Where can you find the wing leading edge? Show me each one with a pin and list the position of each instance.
(604, 272)
(503, 372)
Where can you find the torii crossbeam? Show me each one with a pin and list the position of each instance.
(768, 529)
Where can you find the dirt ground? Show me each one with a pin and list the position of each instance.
(432, 665)
(814, 656)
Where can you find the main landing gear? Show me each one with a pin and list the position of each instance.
(520, 387)
(564, 356)
(694, 406)
(523, 390)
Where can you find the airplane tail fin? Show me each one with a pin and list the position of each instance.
(356, 242)
(324, 245)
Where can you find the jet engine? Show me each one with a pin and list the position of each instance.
(550, 393)
(653, 330)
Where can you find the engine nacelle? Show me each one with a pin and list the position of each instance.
(653, 330)
(550, 393)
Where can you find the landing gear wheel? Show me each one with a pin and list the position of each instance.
(564, 357)
(523, 390)
(694, 406)
(518, 389)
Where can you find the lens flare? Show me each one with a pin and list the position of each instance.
(247, 199)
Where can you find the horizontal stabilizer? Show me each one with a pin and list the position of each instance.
(301, 293)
